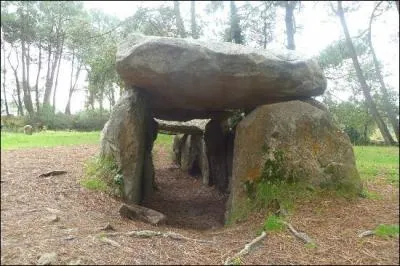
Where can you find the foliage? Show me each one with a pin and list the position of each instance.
(47, 139)
(90, 120)
(103, 172)
(12, 123)
(387, 230)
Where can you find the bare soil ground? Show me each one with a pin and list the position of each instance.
(29, 203)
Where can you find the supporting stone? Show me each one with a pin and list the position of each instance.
(291, 141)
(124, 140)
(148, 166)
(216, 140)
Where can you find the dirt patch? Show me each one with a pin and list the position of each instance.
(29, 204)
(183, 198)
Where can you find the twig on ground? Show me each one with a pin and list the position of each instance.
(52, 173)
(111, 242)
(302, 236)
(366, 233)
(246, 250)
(149, 233)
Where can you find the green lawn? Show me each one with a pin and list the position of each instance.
(371, 160)
(374, 160)
(47, 139)
(57, 138)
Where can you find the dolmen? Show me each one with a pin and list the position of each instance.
(262, 122)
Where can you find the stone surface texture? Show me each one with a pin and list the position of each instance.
(313, 148)
(123, 138)
(196, 76)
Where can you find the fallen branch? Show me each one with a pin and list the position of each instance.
(246, 250)
(302, 236)
(53, 173)
(149, 233)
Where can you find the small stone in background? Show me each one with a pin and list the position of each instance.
(47, 258)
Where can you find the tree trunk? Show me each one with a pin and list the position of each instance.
(27, 95)
(290, 30)
(58, 72)
(50, 77)
(195, 34)
(397, 5)
(366, 90)
(179, 21)
(387, 106)
(67, 107)
(4, 80)
(236, 32)
(37, 78)
(72, 89)
(19, 103)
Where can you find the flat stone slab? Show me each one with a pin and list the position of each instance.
(192, 75)
(136, 212)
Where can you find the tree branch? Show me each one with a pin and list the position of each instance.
(246, 250)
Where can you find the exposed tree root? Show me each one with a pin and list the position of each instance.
(52, 173)
(246, 250)
(302, 236)
(149, 233)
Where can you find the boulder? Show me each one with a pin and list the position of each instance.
(47, 259)
(191, 78)
(300, 141)
(28, 129)
(124, 139)
(136, 212)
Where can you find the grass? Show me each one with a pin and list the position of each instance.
(102, 174)
(164, 139)
(10, 140)
(94, 183)
(47, 139)
(387, 230)
(273, 224)
(378, 161)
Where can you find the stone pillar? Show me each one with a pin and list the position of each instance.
(148, 166)
(216, 141)
(127, 138)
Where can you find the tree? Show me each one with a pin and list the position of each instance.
(235, 30)
(3, 48)
(58, 16)
(258, 22)
(17, 83)
(179, 21)
(195, 33)
(386, 103)
(290, 25)
(366, 90)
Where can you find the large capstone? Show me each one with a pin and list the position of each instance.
(188, 79)
(127, 138)
(292, 141)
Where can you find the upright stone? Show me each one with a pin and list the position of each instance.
(216, 142)
(300, 141)
(148, 166)
(124, 139)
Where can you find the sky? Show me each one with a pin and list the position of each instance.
(318, 31)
